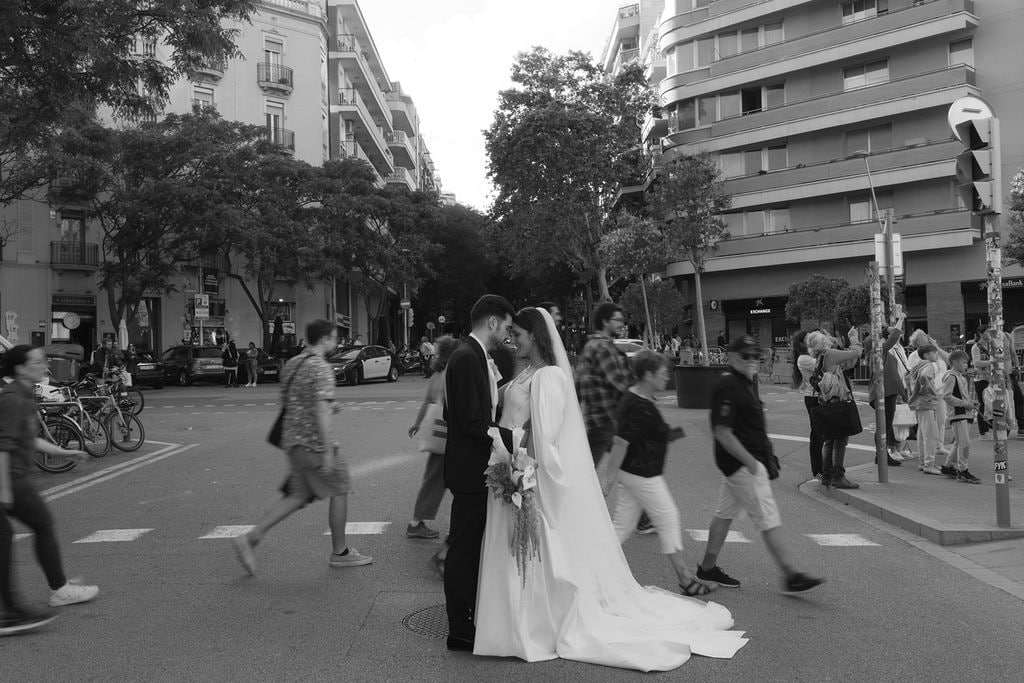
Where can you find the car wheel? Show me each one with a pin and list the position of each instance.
(393, 374)
(184, 379)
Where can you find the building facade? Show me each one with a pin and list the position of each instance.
(821, 111)
(310, 73)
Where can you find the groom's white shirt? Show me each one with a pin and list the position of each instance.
(492, 370)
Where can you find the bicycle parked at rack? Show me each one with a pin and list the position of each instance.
(64, 432)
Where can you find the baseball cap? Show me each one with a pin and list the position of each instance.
(744, 343)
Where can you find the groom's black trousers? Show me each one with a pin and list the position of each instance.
(462, 566)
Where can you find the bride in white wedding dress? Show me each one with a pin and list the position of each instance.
(579, 599)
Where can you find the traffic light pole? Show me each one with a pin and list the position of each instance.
(878, 370)
(994, 259)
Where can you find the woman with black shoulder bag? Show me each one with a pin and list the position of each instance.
(833, 386)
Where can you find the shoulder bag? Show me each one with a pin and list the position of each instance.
(837, 418)
(274, 437)
(434, 430)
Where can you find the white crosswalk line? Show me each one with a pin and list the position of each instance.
(229, 531)
(840, 539)
(363, 528)
(113, 536)
(732, 537)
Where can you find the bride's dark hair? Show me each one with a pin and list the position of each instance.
(531, 320)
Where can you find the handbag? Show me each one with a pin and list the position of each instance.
(434, 433)
(274, 437)
(837, 418)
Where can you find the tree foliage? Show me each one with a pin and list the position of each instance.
(853, 304)
(667, 305)
(562, 139)
(815, 298)
(62, 60)
(1014, 249)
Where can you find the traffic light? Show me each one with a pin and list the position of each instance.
(978, 175)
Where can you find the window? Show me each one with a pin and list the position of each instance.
(72, 229)
(778, 220)
(202, 96)
(749, 39)
(685, 57)
(859, 10)
(707, 110)
(275, 119)
(778, 157)
(961, 52)
(273, 48)
(705, 51)
(863, 75)
(728, 44)
(874, 139)
(860, 210)
(731, 164)
(687, 115)
(773, 33)
(285, 309)
(774, 96)
(754, 222)
(750, 99)
(729, 104)
(752, 161)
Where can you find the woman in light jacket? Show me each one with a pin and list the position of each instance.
(835, 361)
(803, 368)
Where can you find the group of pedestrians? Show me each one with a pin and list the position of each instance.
(232, 359)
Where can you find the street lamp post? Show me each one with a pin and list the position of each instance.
(885, 222)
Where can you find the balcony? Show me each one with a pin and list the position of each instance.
(84, 256)
(209, 261)
(927, 161)
(281, 136)
(625, 57)
(365, 74)
(403, 112)
(298, 6)
(882, 33)
(272, 77)
(402, 176)
(210, 71)
(655, 69)
(655, 127)
(365, 129)
(918, 232)
(68, 190)
(844, 108)
(402, 147)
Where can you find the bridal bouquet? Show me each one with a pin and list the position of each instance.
(513, 478)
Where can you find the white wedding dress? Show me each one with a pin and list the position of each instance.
(580, 600)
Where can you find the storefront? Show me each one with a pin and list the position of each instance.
(73, 320)
(763, 319)
(975, 293)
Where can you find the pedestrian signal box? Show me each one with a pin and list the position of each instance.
(978, 167)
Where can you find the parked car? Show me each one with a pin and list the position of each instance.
(185, 363)
(149, 371)
(357, 364)
(630, 347)
(269, 367)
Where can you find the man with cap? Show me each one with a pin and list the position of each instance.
(744, 455)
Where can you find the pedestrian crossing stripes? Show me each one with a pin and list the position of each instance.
(380, 528)
(113, 535)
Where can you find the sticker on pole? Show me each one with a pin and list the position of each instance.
(967, 109)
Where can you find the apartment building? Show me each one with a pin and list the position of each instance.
(799, 98)
(310, 72)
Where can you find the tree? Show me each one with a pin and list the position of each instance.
(853, 304)
(635, 247)
(815, 298)
(664, 301)
(560, 143)
(155, 191)
(690, 197)
(1014, 249)
(62, 60)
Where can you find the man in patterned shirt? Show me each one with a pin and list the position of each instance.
(602, 377)
(317, 467)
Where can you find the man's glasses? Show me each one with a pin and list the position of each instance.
(752, 355)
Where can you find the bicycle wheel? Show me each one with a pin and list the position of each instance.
(126, 432)
(132, 400)
(64, 433)
(97, 437)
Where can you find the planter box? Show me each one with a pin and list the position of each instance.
(694, 384)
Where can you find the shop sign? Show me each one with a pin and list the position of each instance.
(211, 284)
(73, 300)
(342, 320)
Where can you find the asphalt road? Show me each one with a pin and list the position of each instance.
(176, 606)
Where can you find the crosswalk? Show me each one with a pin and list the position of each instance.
(357, 406)
(380, 528)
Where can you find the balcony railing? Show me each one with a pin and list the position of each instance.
(214, 70)
(275, 77)
(399, 137)
(626, 56)
(402, 175)
(75, 255)
(282, 136)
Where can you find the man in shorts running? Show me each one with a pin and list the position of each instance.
(743, 453)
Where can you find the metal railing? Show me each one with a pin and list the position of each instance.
(68, 253)
(282, 136)
(270, 74)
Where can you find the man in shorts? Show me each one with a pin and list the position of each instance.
(318, 469)
(744, 455)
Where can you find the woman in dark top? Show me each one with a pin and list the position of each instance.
(641, 486)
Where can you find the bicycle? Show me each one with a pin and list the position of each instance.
(63, 432)
(130, 397)
(126, 431)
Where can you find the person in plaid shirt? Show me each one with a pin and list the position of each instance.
(602, 377)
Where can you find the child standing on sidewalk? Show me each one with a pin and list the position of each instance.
(961, 410)
(923, 400)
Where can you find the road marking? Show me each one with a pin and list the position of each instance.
(363, 528)
(384, 463)
(229, 531)
(248, 405)
(107, 470)
(804, 439)
(731, 537)
(229, 405)
(113, 536)
(112, 472)
(840, 539)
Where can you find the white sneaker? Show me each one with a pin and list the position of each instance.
(987, 436)
(72, 593)
(941, 451)
(907, 455)
(897, 456)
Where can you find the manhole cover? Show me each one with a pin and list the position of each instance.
(431, 622)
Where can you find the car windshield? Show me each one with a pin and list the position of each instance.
(146, 357)
(207, 352)
(345, 356)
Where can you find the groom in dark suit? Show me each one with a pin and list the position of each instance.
(470, 403)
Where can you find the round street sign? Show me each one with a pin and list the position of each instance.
(405, 304)
(967, 109)
(441, 319)
(430, 326)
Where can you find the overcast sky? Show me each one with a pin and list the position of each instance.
(453, 56)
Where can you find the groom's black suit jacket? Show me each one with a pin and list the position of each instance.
(468, 413)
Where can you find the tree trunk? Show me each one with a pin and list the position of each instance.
(602, 284)
(699, 303)
(647, 311)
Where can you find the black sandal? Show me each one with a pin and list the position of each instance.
(695, 588)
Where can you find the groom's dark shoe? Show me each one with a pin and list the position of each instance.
(460, 644)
